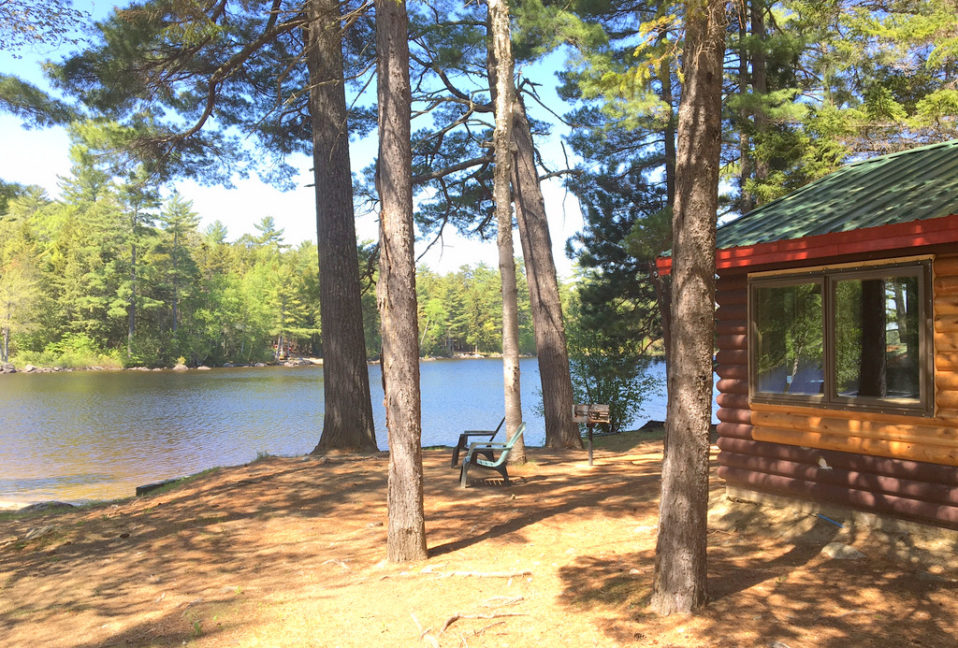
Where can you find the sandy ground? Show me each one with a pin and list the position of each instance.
(291, 552)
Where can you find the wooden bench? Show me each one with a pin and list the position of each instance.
(463, 443)
(482, 455)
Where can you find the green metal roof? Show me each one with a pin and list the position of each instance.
(917, 184)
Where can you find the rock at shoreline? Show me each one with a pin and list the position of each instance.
(203, 368)
(147, 488)
(296, 362)
(29, 369)
(180, 367)
(6, 367)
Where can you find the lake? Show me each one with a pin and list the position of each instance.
(97, 435)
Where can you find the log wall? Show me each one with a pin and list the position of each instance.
(884, 463)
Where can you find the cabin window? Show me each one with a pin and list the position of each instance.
(847, 337)
(789, 319)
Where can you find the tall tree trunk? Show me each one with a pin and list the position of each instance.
(759, 81)
(679, 583)
(131, 328)
(873, 368)
(176, 283)
(502, 85)
(662, 285)
(561, 431)
(668, 98)
(396, 290)
(746, 202)
(5, 349)
(348, 419)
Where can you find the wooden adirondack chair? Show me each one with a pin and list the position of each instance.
(463, 443)
(482, 455)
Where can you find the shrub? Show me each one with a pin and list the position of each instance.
(74, 351)
(609, 370)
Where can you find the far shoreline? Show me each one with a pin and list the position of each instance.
(10, 368)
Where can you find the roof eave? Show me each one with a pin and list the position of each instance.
(933, 231)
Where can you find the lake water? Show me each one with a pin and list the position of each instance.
(97, 435)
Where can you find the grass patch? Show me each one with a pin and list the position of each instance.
(182, 481)
(26, 514)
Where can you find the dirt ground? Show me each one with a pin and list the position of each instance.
(291, 552)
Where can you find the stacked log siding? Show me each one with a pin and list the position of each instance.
(884, 463)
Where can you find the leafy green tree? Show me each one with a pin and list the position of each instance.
(608, 366)
(433, 313)
(273, 73)
(139, 197)
(178, 226)
(27, 24)
(20, 279)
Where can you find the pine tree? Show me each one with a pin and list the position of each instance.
(396, 290)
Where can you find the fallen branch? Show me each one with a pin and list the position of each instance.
(462, 574)
(502, 601)
(494, 615)
(424, 634)
(465, 574)
(478, 632)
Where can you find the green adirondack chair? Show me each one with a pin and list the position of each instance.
(483, 455)
(463, 442)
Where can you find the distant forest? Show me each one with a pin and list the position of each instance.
(111, 275)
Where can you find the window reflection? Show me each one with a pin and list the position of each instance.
(843, 337)
(876, 338)
(789, 324)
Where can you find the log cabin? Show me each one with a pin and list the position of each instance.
(837, 342)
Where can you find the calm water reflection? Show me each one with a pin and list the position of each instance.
(77, 436)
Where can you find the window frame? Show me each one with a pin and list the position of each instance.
(827, 278)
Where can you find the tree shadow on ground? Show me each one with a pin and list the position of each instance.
(620, 491)
(797, 596)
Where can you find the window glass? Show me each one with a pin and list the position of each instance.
(790, 350)
(844, 337)
(876, 338)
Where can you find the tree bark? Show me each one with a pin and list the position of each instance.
(131, 324)
(502, 85)
(561, 431)
(348, 418)
(759, 81)
(873, 368)
(746, 203)
(662, 285)
(176, 276)
(396, 290)
(679, 583)
(665, 79)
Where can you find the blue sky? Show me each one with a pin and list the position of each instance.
(39, 157)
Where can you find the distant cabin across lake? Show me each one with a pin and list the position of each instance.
(837, 338)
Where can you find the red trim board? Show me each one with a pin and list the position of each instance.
(934, 231)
